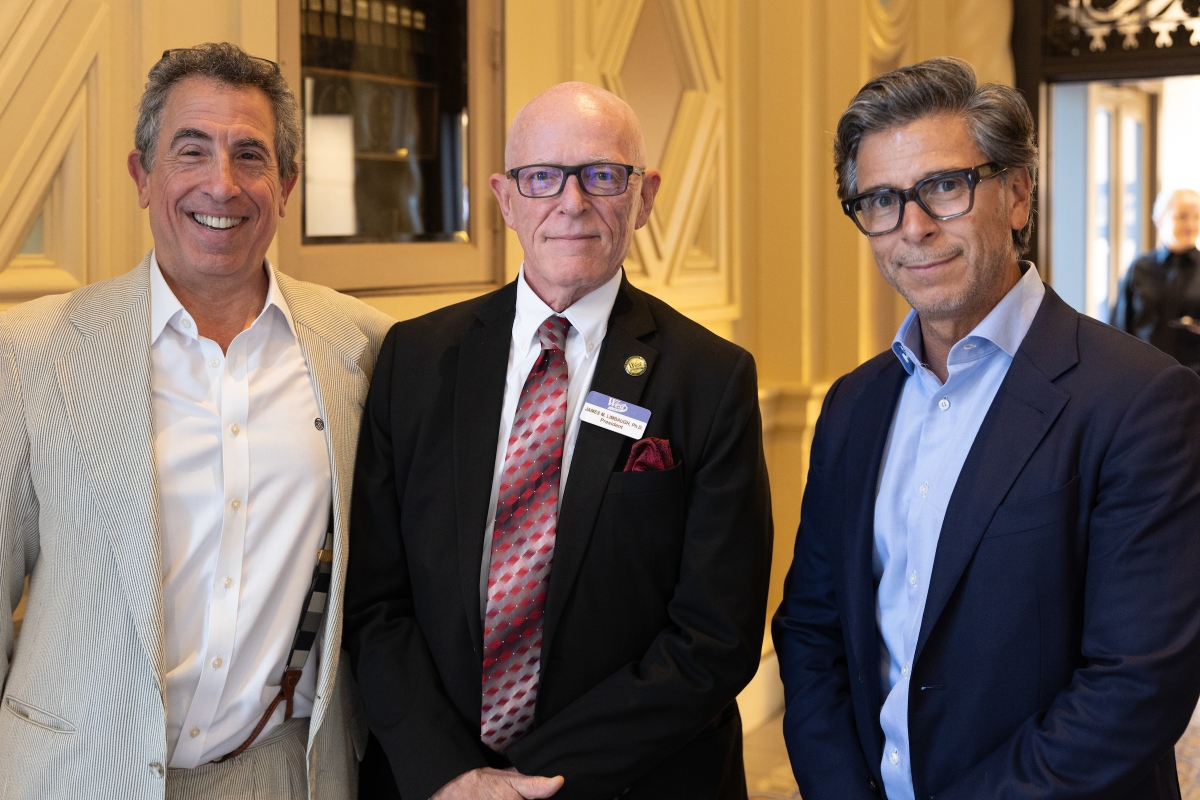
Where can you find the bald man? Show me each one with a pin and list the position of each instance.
(561, 529)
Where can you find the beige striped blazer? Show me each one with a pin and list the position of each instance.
(81, 711)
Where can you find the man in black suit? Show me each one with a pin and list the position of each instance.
(994, 592)
(520, 525)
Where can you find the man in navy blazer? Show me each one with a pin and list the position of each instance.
(996, 584)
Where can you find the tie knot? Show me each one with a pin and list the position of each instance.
(553, 333)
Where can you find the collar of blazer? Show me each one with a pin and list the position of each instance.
(1023, 411)
(478, 400)
(112, 361)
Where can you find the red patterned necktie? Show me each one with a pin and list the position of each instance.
(523, 544)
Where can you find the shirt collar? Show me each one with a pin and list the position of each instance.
(1004, 327)
(588, 315)
(165, 308)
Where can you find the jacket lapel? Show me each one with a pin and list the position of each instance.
(478, 402)
(1026, 406)
(596, 449)
(870, 424)
(335, 351)
(105, 384)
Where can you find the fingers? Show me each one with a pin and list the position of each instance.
(533, 787)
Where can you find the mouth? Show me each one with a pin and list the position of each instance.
(921, 267)
(217, 223)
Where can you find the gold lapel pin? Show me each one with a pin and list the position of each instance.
(635, 365)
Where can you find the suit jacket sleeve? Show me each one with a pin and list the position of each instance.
(409, 710)
(641, 714)
(819, 727)
(18, 504)
(1139, 679)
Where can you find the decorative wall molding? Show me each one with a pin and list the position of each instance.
(790, 408)
(1131, 19)
(890, 33)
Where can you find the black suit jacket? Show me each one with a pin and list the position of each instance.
(1159, 288)
(1059, 652)
(657, 593)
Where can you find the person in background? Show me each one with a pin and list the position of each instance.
(994, 592)
(1159, 298)
(176, 451)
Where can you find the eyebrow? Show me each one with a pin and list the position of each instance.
(196, 133)
(930, 174)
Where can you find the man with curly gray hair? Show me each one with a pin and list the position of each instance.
(993, 593)
(176, 452)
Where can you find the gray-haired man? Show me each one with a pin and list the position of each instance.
(176, 450)
(994, 589)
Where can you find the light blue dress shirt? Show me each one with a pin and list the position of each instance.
(932, 432)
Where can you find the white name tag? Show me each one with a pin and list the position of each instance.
(616, 415)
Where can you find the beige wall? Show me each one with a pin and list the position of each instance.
(750, 240)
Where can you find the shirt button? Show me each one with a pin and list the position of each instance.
(895, 756)
(904, 671)
(217, 662)
(944, 403)
(186, 323)
(214, 362)
(236, 504)
(591, 346)
(924, 490)
(194, 732)
(229, 583)
(968, 347)
(913, 579)
(235, 430)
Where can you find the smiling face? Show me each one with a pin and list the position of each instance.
(952, 270)
(1180, 223)
(574, 242)
(214, 193)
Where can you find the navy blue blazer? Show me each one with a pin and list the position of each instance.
(1059, 653)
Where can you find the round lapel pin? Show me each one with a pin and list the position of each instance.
(635, 365)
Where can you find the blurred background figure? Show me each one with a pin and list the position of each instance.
(1159, 301)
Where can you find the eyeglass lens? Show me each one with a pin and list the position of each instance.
(603, 180)
(942, 196)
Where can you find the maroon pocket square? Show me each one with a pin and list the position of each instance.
(649, 455)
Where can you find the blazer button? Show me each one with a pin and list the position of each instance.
(157, 769)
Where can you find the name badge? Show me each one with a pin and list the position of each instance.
(616, 415)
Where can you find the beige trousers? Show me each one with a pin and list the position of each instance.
(273, 768)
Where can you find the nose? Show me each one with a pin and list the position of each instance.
(221, 185)
(917, 224)
(573, 199)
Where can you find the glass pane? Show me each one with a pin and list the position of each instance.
(1131, 244)
(34, 244)
(1101, 210)
(385, 120)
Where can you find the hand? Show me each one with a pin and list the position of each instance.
(494, 784)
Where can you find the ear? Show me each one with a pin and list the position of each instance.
(651, 180)
(1019, 192)
(286, 186)
(502, 188)
(140, 177)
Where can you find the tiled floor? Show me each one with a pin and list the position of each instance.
(770, 776)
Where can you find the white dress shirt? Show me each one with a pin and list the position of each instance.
(589, 322)
(245, 486)
(932, 432)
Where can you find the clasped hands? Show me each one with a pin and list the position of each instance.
(495, 784)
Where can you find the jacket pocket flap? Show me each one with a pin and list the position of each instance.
(35, 715)
(1016, 516)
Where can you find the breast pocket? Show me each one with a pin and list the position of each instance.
(1043, 511)
(650, 481)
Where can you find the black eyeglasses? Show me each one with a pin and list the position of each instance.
(944, 196)
(547, 180)
(168, 53)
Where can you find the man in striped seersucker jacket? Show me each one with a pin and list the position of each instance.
(176, 449)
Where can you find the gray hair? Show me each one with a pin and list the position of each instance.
(997, 117)
(228, 64)
(1168, 198)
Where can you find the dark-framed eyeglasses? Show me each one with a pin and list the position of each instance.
(943, 196)
(547, 180)
(173, 50)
